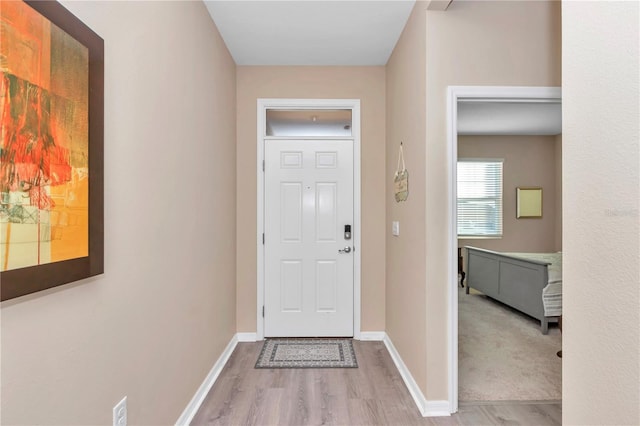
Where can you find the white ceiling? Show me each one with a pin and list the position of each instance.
(351, 33)
(491, 117)
(308, 32)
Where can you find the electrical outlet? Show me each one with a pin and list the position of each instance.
(120, 413)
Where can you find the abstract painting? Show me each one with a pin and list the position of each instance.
(51, 132)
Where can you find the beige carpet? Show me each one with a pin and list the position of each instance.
(502, 355)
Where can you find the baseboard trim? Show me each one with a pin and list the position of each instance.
(247, 337)
(194, 405)
(427, 408)
(437, 408)
(374, 336)
(511, 402)
(409, 381)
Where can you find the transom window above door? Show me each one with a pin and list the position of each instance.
(309, 122)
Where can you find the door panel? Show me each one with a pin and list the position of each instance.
(291, 212)
(308, 201)
(326, 212)
(327, 280)
(291, 286)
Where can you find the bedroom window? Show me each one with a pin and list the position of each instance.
(479, 198)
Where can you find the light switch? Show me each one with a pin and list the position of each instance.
(395, 228)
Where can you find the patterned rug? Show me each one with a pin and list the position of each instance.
(307, 353)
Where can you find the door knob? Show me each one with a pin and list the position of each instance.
(345, 250)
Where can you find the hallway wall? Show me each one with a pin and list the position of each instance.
(601, 190)
(153, 325)
(472, 43)
(406, 274)
(466, 45)
(364, 83)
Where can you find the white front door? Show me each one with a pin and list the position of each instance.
(308, 259)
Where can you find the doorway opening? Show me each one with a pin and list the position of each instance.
(285, 123)
(457, 95)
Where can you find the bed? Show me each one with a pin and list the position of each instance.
(528, 282)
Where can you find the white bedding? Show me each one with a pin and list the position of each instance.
(552, 293)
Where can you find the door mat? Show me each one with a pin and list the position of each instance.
(307, 353)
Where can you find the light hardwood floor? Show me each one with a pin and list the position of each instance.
(373, 394)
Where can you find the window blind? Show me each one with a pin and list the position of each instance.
(479, 198)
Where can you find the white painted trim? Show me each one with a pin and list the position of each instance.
(372, 336)
(452, 227)
(194, 405)
(427, 408)
(454, 95)
(354, 105)
(247, 337)
(437, 408)
(262, 123)
(408, 379)
(307, 138)
(357, 217)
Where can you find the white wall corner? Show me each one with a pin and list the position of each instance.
(427, 408)
(372, 336)
(247, 337)
(194, 405)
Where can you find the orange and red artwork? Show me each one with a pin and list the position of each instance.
(44, 145)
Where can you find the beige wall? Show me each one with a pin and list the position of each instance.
(528, 161)
(466, 45)
(154, 324)
(364, 83)
(406, 102)
(472, 43)
(601, 189)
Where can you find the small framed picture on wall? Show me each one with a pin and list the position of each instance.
(529, 202)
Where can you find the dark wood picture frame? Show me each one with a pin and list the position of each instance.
(23, 281)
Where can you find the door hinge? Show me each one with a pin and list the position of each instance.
(263, 238)
(263, 165)
(262, 311)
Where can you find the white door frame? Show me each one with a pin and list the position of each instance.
(297, 104)
(455, 94)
